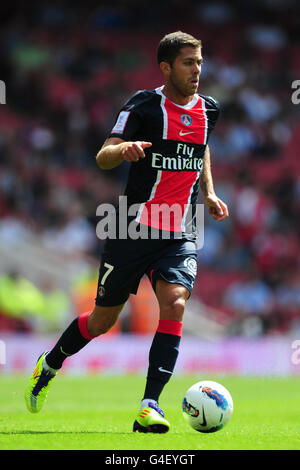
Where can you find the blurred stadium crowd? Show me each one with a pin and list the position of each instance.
(67, 71)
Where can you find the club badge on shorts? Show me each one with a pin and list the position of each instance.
(191, 265)
(101, 291)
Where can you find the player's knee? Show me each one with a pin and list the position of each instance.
(173, 309)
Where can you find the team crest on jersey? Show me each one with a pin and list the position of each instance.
(186, 120)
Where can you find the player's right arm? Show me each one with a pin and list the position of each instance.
(122, 144)
(115, 150)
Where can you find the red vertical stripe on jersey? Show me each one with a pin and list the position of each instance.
(194, 133)
(175, 187)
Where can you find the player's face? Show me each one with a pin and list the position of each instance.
(185, 71)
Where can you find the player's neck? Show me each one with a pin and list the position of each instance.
(175, 96)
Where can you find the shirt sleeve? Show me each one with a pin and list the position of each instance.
(129, 119)
(212, 111)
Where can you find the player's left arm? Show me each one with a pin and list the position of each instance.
(216, 207)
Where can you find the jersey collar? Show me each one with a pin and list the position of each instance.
(190, 105)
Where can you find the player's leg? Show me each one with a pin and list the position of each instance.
(81, 331)
(165, 346)
(172, 274)
(77, 335)
(163, 355)
(117, 277)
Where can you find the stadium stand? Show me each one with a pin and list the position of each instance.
(68, 69)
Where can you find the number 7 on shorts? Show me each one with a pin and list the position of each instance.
(109, 267)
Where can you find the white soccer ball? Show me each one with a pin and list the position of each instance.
(207, 406)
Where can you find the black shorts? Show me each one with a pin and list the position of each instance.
(124, 262)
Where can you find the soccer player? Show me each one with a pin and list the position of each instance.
(163, 133)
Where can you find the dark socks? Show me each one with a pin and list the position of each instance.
(73, 339)
(162, 357)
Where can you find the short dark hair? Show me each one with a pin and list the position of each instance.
(170, 45)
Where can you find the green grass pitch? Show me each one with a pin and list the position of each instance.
(97, 412)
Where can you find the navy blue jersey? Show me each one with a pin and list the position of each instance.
(168, 178)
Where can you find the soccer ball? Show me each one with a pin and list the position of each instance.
(207, 406)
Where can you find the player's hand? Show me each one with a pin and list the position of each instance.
(133, 151)
(216, 207)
